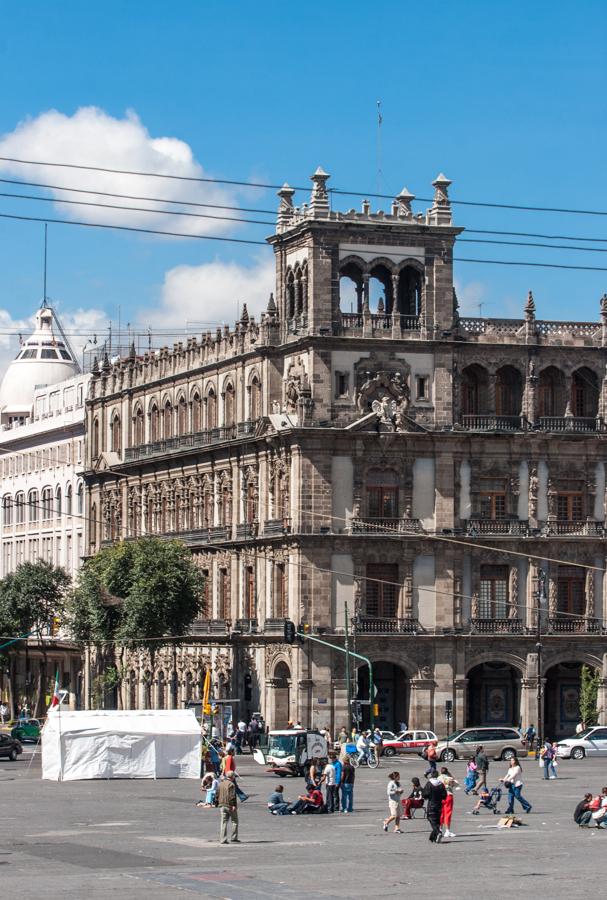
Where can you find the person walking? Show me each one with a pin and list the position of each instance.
(447, 808)
(395, 792)
(348, 775)
(547, 754)
(530, 737)
(3, 712)
(434, 793)
(227, 802)
(338, 766)
(229, 765)
(482, 767)
(513, 781)
(328, 774)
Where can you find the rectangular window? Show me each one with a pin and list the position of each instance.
(382, 494)
(493, 594)
(280, 592)
(249, 593)
(341, 384)
(493, 505)
(422, 387)
(571, 599)
(569, 507)
(223, 594)
(381, 594)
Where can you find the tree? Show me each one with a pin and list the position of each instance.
(141, 593)
(589, 692)
(32, 601)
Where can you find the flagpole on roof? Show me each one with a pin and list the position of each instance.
(380, 119)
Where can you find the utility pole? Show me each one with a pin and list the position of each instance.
(347, 649)
(540, 596)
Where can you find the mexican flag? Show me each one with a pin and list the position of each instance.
(56, 698)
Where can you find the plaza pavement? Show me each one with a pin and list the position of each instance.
(146, 840)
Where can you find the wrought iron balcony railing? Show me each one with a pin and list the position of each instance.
(494, 423)
(572, 424)
(367, 525)
(497, 626)
(476, 527)
(373, 625)
(574, 625)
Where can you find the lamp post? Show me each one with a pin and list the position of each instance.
(540, 601)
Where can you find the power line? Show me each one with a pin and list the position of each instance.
(214, 237)
(267, 186)
(269, 212)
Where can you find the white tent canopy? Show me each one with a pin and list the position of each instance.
(109, 743)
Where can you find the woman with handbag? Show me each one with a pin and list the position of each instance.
(513, 781)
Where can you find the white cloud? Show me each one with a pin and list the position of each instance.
(94, 138)
(212, 293)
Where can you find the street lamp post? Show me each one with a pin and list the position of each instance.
(540, 599)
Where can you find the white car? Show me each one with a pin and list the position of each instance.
(589, 742)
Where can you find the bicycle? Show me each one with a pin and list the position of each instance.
(371, 759)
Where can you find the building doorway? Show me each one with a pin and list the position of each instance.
(494, 695)
(392, 697)
(280, 701)
(562, 700)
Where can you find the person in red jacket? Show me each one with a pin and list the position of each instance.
(310, 802)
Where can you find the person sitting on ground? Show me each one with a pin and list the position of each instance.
(307, 803)
(277, 804)
(579, 813)
(599, 816)
(208, 786)
(414, 800)
(483, 796)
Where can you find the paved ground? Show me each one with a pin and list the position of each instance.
(146, 839)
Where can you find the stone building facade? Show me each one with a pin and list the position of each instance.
(364, 453)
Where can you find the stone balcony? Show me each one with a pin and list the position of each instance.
(531, 330)
(516, 527)
(217, 627)
(378, 625)
(572, 424)
(494, 423)
(197, 440)
(385, 526)
(497, 626)
(377, 325)
(575, 625)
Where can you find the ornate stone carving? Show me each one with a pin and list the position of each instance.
(383, 385)
(274, 651)
(513, 594)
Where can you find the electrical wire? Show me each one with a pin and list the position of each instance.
(232, 240)
(268, 186)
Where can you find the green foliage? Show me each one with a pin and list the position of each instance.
(589, 692)
(32, 597)
(135, 591)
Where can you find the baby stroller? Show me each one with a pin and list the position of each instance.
(491, 801)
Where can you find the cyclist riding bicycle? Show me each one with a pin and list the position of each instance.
(363, 745)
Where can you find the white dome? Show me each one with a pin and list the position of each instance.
(45, 358)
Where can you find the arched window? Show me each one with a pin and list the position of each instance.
(409, 291)
(58, 509)
(584, 394)
(80, 498)
(95, 439)
(68, 500)
(138, 428)
(47, 503)
(7, 510)
(182, 416)
(229, 406)
(351, 289)
(20, 509)
(167, 420)
(290, 294)
(380, 290)
(32, 502)
(154, 422)
(196, 412)
(255, 401)
(211, 401)
(508, 391)
(115, 433)
(474, 390)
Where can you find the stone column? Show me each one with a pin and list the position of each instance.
(421, 703)
(460, 689)
(367, 326)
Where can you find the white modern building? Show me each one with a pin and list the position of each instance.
(42, 413)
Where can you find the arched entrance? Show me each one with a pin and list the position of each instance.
(280, 701)
(392, 695)
(494, 695)
(562, 699)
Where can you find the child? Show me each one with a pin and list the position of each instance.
(471, 777)
(482, 798)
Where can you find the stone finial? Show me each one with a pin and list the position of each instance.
(441, 190)
(132, 351)
(403, 201)
(285, 208)
(95, 366)
(530, 308)
(244, 316)
(105, 368)
(603, 302)
(271, 307)
(366, 209)
(319, 199)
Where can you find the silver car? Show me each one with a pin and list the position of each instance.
(500, 742)
(589, 742)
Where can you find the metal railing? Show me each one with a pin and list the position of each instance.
(578, 625)
(373, 625)
(494, 423)
(475, 527)
(196, 440)
(366, 525)
(582, 528)
(572, 424)
(497, 626)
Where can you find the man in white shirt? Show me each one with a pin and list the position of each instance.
(362, 745)
(328, 776)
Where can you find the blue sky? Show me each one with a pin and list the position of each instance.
(509, 100)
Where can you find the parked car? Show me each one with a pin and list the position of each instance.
(27, 730)
(589, 742)
(10, 747)
(408, 742)
(498, 742)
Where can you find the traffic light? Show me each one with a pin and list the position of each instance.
(290, 632)
(248, 687)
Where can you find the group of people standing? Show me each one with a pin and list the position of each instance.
(336, 777)
(438, 793)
